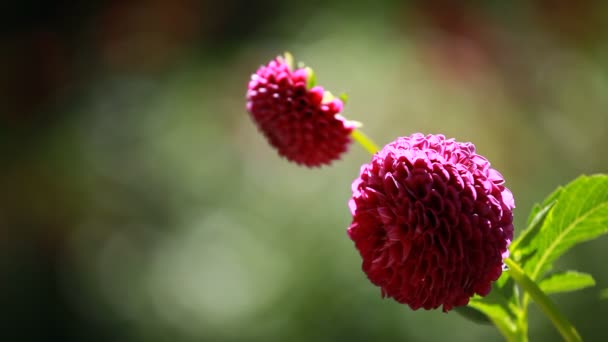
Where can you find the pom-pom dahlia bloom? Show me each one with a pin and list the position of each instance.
(432, 221)
(303, 124)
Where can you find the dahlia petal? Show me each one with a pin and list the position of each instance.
(441, 222)
(385, 215)
(316, 95)
(335, 106)
(294, 119)
(507, 198)
(352, 205)
(495, 177)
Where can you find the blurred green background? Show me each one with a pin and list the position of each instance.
(139, 203)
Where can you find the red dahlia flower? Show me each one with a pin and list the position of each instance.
(302, 124)
(432, 221)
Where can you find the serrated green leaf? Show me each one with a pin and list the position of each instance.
(579, 214)
(311, 80)
(566, 282)
(522, 246)
(533, 212)
(549, 199)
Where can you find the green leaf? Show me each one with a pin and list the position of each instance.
(501, 295)
(580, 214)
(604, 294)
(499, 306)
(311, 81)
(522, 247)
(498, 310)
(505, 286)
(566, 282)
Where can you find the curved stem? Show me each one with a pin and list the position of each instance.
(500, 317)
(508, 333)
(565, 328)
(367, 143)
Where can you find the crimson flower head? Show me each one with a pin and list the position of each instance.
(300, 120)
(432, 221)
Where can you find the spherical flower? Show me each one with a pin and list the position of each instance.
(432, 221)
(303, 124)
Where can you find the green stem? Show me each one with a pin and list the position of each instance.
(565, 328)
(501, 318)
(365, 141)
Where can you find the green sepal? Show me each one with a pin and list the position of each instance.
(343, 97)
(311, 79)
(288, 58)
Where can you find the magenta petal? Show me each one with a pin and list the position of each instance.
(432, 221)
(293, 118)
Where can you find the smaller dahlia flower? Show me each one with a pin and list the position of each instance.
(300, 120)
(432, 221)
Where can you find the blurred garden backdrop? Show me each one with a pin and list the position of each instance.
(139, 203)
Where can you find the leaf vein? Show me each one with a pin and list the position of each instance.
(560, 237)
